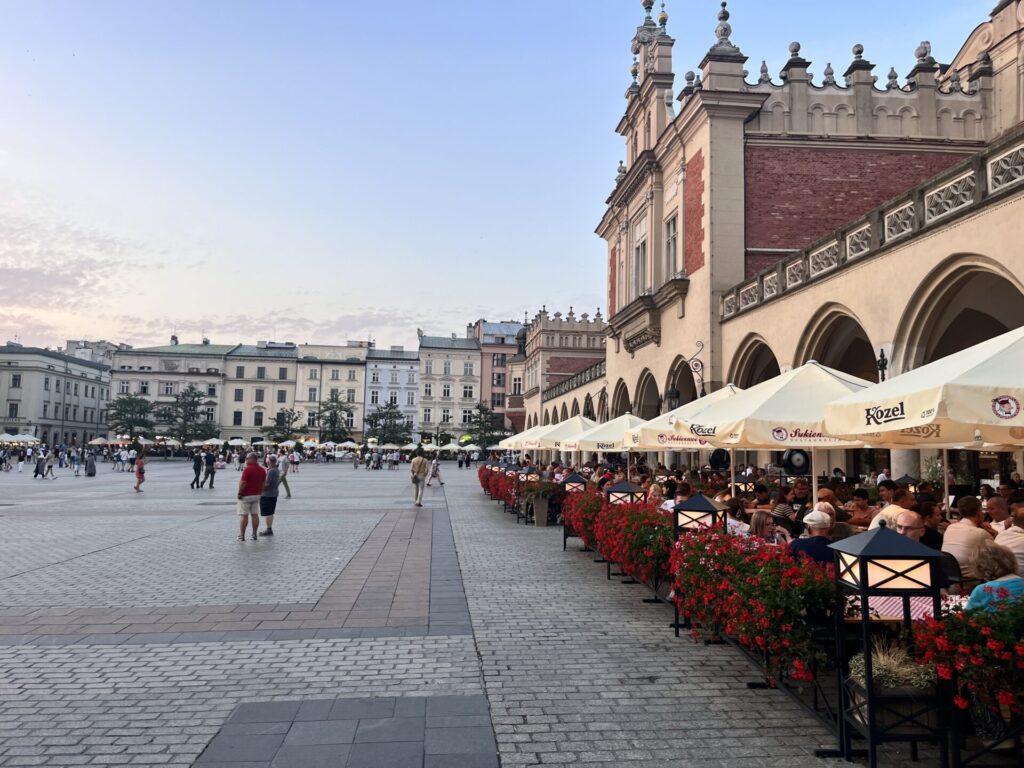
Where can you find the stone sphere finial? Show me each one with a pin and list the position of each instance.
(635, 69)
(923, 52)
(663, 16)
(794, 50)
(858, 51)
(689, 77)
(648, 5)
(723, 15)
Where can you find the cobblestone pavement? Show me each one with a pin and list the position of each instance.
(575, 668)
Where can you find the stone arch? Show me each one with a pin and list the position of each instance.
(753, 363)
(588, 407)
(908, 121)
(575, 411)
(845, 120)
(778, 120)
(565, 412)
(620, 400)
(547, 418)
(966, 299)
(602, 407)
(680, 378)
(647, 399)
(945, 122)
(972, 124)
(836, 337)
(817, 122)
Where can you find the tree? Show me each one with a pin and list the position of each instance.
(285, 425)
(388, 424)
(130, 415)
(183, 418)
(485, 427)
(331, 418)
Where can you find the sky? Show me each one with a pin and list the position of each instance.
(321, 171)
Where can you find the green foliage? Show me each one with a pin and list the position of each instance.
(131, 415)
(331, 419)
(183, 418)
(285, 425)
(388, 425)
(892, 666)
(485, 426)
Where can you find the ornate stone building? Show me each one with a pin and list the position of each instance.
(761, 221)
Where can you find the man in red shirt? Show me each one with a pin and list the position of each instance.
(250, 486)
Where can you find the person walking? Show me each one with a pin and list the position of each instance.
(210, 468)
(284, 467)
(250, 488)
(435, 470)
(197, 469)
(140, 471)
(21, 460)
(49, 465)
(90, 464)
(419, 468)
(268, 498)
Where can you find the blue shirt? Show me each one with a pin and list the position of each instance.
(815, 547)
(984, 597)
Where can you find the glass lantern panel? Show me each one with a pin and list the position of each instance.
(909, 573)
(694, 520)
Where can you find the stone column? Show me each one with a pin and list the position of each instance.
(905, 462)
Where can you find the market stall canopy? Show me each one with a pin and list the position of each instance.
(470, 448)
(26, 439)
(449, 447)
(659, 434)
(972, 395)
(95, 441)
(348, 444)
(145, 441)
(554, 437)
(515, 442)
(610, 436)
(264, 442)
(236, 441)
(787, 411)
(214, 441)
(288, 444)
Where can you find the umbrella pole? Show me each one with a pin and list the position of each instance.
(732, 472)
(814, 475)
(945, 480)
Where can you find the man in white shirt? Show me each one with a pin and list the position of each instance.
(999, 511)
(961, 539)
(901, 499)
(1013, 537)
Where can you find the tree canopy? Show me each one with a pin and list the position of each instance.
(388, 425)
(285, 425)
(332, 419)
(183, 418)
(485, 426)
(131, 415)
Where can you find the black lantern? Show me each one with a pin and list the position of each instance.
(743, 483)
(882, 563)
(908, 481)
(671, 398)
(522, 474)
(698, 511)
(574, 483)
(626, 493)
(533, 476)
(511, 470)
(496, 467)
(661, 478)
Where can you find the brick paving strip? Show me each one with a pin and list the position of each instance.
(386, 585)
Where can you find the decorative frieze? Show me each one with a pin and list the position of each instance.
(1006, 169)
(950, 197)
(729, 305)
(858, 242)
(748, 295)
(770, 285)
(794, 273)
(899, 221)
(824, 259)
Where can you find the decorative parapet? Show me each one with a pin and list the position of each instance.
(584, 377)
(965, 188)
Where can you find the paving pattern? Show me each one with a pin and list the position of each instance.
(377, 610)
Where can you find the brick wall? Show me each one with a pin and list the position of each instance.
(795, 195)
(562, 367)
(693, 213)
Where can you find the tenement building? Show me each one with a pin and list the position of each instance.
(56, 397)
(392, 377)
(329, 372)
(860, 217)
(450, 386)
(497, 346)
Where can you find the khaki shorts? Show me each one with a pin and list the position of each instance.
(249, 505)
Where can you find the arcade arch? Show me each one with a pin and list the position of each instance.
(620, 400)
(837, 339)
(754, 362)
(647, 402)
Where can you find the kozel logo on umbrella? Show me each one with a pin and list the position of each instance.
(876, 414)
(701, 431)
(1005, 406)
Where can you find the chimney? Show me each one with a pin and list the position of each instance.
(174, 340)
(206, 342)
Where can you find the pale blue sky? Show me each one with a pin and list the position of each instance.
(317, 171)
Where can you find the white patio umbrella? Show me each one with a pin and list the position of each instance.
(348, 444)
(390, 447)
(430, 448)
(494, 448)
(264, 442)
(27, 439)
(330, 444)
(214, 441)
(787, 411)
(515, 442)
(94, 441)
(470, 448)
(194, 444)
(236, 441)
(170, 441)
(449, 447)
(554, 437)
(659, 434)
(610, 436)
(287, 444)
(410, 447)
(144, 441)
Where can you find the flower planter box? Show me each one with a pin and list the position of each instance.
(540, 512)
(892, 706)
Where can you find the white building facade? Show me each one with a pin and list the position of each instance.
(392, 376)
(450, 370)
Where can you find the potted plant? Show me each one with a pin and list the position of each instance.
(904, 690)
(539, 494)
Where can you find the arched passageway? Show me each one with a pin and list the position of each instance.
(835, 338)
(754, 362)
(647, 403)
(620, 400)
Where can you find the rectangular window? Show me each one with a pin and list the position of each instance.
(350, 420)
(497, 400)
(639, 258)
(311, 418)
(335, 374)
(236, 418)
(498, 380)
(122, 388)
(312, 393)
(517, 385)
(350, 395)
(446, 416)
(46, 383)
(282, 396)
(428, 389)
(12, 410)
(374, 396)
(394, 377)
(467, 416)
(428, 367)
(467, 393)
(282, 374)
(446, 390)
(211, 390)
(46, 408)
(257, 419)
(168, 388)
(239, 371)
(238, 395)
(498, 360)
(375, 377)
(66, 415)
(447, 367)
(74, 412)
(57, 385)
(312, 374)
(261, 372)
(143, 387)
(467, 369)
(393, 398)
(15, 380)
(412, 378)
(351, 374)
(410, 398)
(209, 414)
(426, 415)
(334, 392)
(671, 239)
(259, 395)
(76, 389)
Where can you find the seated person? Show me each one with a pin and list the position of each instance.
(910, 524)
(934, 524)
(763, 526)
(962, 538)
(860, 508)
(997, 568)
(815, 544)
(901, 499)
(1013, 537)
(761, 499)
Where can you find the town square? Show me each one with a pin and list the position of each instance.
(499, 422)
